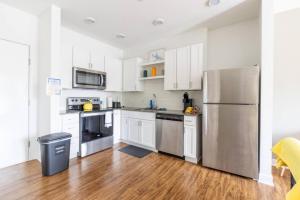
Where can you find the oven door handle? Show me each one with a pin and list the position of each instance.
(92, 114)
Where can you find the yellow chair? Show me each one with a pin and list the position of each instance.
(287, 153)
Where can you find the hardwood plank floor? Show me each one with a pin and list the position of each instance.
(114, 175)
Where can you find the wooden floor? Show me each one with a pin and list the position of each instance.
(114, 175)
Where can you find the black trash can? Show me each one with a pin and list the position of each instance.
(55, 152)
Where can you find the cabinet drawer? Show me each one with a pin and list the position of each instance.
(190, 120)
(139, 115)
(70, 119)
(72, 129)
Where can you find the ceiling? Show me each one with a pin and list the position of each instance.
(133, 17)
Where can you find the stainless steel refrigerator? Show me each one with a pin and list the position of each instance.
(231, 120)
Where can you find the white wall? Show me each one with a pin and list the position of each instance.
(71, 38)
(22, 27)
(266, 96)
(287, 75)
(236, 45)
(285, 5)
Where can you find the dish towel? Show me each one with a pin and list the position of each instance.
(108, 119)
(287, 153)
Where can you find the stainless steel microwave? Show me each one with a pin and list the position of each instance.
(88, 79)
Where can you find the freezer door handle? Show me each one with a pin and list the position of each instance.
(205, 119)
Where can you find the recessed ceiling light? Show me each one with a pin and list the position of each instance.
(158, 21)
(89, 20)
(213, 2)
(120, 36)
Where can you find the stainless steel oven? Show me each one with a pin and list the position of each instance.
(88, 79)
(96, 132)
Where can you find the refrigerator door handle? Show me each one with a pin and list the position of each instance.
(205, 119)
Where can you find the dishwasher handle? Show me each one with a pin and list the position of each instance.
(170, 117)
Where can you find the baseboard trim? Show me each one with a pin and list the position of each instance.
(266, 179)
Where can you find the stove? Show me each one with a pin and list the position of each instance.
(95, 127)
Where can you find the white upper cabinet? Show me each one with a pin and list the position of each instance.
(197, 62)
(131, 74)
(88, 58)
(81, 57)
(97, 60)
(183, 68)
(170, 70)
(113, 69)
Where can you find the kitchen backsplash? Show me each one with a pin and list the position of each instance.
(165, 99)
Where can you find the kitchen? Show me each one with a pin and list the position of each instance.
(150, 94)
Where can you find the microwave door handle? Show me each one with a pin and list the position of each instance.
(100, 79)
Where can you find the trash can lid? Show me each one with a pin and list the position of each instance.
(54, 136)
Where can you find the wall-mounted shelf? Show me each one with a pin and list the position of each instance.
(153, 63)
(151, 78)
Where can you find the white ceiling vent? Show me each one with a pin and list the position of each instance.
(120, 36)
(89, 20)
(158, 22)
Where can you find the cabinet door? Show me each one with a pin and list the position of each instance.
(117, 125)
(148, 133)
(113, 69)
(190, 141)
(81, 57)
(183, 68)
(129, 75)
(170, 70)
(97, 60)
(196, 67)
(134, 130)
(124, 128)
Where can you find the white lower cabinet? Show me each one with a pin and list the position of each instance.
(138, 128)
(147, 129)
(70, 124)
(124, 128)
(192, 138)
(189, 138)
(117, 125)
(134, 130)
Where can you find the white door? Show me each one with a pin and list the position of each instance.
(190, 141)
(113, 69)
(81, 57)
(148, 133)
(14, 72)
(170, 70)
(134, 130)
(183, 68)
(97, 60)
(196, 67)
(129, 75)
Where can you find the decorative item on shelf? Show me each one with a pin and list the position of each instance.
(145, 73)
(156, 55)
(153, 71)
(163, 72)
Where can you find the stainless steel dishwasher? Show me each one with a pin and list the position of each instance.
(169, 133)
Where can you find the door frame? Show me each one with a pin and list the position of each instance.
(28, 89)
